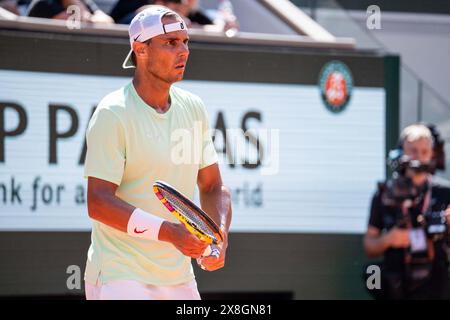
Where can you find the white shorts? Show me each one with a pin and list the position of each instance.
(133, 290)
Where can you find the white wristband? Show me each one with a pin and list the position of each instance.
(144, 225)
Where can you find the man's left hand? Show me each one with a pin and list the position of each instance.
(212, 263)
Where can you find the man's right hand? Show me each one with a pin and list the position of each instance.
(182, 239)
(398, 238)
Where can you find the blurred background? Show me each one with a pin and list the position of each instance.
(327, 85)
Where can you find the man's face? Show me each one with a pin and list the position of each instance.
(166, 55)
(421, 150)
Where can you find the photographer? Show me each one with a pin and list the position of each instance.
(408, 222)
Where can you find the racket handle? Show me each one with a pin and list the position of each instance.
(211, 251)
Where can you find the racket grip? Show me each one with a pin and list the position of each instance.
(211, 251)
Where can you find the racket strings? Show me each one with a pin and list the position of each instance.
(188, 213)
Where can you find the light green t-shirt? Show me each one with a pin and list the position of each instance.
(132, 145)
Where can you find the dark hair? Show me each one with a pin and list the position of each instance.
(438, 146)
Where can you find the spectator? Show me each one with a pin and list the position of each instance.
(125, 10)
(57, 9)
(409, 219)
(220, 20)
(10, 5)
(192, 10)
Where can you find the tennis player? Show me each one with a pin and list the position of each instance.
(138, 250)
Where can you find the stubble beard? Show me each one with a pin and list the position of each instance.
(166, 79)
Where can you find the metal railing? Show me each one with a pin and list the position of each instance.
(120, 31)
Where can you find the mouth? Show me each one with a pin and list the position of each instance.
(180, 66)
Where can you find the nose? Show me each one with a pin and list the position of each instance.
(184, 50)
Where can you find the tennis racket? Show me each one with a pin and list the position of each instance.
(195, 219)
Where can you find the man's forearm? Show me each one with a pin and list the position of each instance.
(217, 203)
(375, 245)
(110, 210)
(116, 213)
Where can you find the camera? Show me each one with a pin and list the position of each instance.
(400, 187)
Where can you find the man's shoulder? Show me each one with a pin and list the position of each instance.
(379, 189)
(113, 102)
(187, 97)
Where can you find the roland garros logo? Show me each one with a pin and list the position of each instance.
(335, 84)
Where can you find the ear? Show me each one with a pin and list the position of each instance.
(140, 49)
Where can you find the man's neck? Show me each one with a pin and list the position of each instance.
(154, 92)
